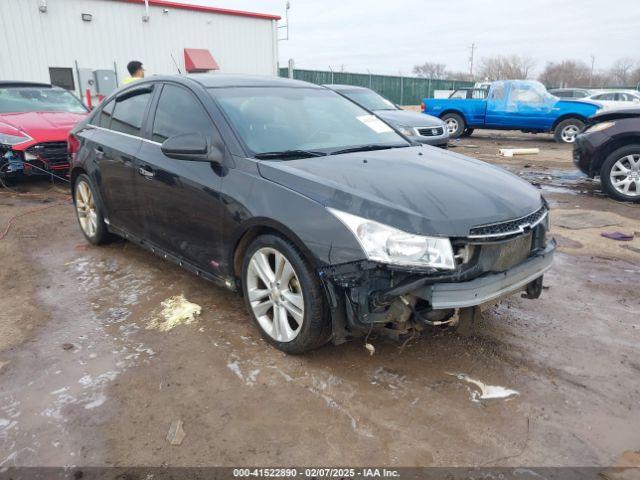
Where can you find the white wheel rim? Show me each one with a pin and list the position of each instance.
(275, 294)
(452, 125)
(86, 209)
(625, 175)
(569, 133)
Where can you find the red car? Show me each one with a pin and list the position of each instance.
(35, 120)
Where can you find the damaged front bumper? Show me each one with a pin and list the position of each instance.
(490, 286)
(367, 295)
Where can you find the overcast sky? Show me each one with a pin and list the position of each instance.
(392, 36)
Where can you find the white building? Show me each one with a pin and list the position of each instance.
(63, 41)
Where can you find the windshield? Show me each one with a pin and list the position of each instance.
(369, 100)
(33, 99)
(277, 119)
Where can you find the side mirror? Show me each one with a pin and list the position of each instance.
(191, 146)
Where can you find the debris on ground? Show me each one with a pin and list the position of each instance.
(370, 348)
(487, 392)
(620, 236)
(578, 220)
(67, 346)
(510, 152)
(176, 433)
(176, 311)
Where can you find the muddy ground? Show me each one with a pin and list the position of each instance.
(84, 381)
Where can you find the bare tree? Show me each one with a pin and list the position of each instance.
(430, 70)
(459, 76)
(568, 73)
(506, 67)
(622, 70)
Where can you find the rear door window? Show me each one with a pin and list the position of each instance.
(104, 117)
(129, 114)
(179, 112)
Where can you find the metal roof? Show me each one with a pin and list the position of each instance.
(202, 8)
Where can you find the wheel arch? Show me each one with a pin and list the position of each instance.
(457, 112)
(611, 147)
(73, 176)
(255, 227)
(568, 116)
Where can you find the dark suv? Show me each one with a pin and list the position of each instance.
(330, 221)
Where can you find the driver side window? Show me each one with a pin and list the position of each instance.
(179, 112)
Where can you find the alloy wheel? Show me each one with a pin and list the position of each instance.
(569, 133)
(86, 209)
(275, 294)
(625, 174)
(452, 125)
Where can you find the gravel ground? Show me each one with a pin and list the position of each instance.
(87, 379)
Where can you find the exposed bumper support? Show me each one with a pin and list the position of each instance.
(489, 287)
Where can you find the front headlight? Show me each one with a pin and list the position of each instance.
(599, 127)
(10, 140)
(407, 131)
(386, 244)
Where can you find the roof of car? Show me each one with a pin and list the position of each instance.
(338, 87)
(18, 83)
(209, 80)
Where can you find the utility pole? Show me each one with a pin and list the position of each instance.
(593, 60)
(473, 48)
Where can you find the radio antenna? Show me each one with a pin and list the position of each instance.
(176, 64)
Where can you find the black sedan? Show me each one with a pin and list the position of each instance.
(330, 222)
(610, 148)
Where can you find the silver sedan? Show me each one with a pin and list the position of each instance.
(417, 126)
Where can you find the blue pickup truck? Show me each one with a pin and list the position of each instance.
(513, 105)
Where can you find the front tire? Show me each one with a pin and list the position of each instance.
(467, 132)
(620, 174)
(455, 124)
(566, 130)
(284, 296)
(89, 211)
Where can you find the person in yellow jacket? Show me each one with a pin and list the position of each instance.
(135, 70)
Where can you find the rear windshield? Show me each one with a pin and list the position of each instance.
(33, 99)
(272, 119)
(369, 100)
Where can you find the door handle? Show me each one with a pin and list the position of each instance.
(99, 152)
(146, 172)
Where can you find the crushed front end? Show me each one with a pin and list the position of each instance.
(493, 261)
(44, 158)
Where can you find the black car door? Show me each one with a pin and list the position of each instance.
(182, 196)
(116, 143)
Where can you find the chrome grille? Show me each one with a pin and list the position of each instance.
(431, 131)
(511, 227)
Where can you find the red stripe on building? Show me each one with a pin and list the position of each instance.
(202, 8)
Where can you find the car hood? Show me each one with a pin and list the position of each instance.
(409, 119)
(416, 189)
(615, 113)
(42, 126)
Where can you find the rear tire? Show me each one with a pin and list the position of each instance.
(566, 130)
(284, 296)
(622, 166)
(455, 124)
(89, 211)
(467, 132)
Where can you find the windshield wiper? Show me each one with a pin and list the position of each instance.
(366, 148)
(289, 154)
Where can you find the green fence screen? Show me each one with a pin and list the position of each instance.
(400, 90)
